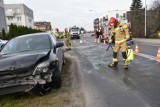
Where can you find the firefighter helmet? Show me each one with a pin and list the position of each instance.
(112, 21)
(65, 29)
(56, 29)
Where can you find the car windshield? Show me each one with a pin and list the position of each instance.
(27, 43)
(74, 30)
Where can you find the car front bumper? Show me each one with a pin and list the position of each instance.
(22, 84)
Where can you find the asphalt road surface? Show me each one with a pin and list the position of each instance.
(139, 86)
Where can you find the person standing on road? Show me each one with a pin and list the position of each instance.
(97, 34)
(121, 35)
(56, 33)
(66, 38)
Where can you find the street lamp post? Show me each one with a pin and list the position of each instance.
(145, 19)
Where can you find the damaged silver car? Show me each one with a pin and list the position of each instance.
(31, 63)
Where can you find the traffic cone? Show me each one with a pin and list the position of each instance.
(136, 50)
(81, 41)
(104, 42)
(158, 55)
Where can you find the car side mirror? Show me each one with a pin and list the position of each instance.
(59, 44)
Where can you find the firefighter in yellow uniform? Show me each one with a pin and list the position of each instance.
(66, 38)
(56, 33)
(121, 35)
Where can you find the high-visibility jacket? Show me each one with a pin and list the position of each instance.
(66, 34)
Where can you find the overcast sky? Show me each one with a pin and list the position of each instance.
(66, 13)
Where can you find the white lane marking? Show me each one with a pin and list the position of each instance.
(147, 56)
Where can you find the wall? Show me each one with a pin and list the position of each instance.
(137, 19)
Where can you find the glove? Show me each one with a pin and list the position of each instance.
(117, 42)
(121, 41)
(110, 41)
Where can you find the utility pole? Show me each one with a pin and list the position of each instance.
(145, 19)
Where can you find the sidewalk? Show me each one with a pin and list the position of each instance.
(147, 41)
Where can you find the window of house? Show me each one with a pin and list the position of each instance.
(18, 10)
(19, 18)
(9, 10)
(30, 20)
(10, 18)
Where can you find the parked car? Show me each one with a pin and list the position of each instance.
(31, 63)
(3, 42)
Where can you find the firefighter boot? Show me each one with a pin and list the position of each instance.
(125, 60)
(114, 63)
(125, 64)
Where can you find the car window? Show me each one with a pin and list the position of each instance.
(28, 43)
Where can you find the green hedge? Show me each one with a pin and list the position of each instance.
(15, 31)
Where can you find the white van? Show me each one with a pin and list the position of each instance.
(75, 32)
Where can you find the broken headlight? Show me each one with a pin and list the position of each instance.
(42, 68)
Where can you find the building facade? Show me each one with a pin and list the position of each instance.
(43, 26)
(19, 14)
(2, 16)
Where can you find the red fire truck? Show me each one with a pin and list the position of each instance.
(100, 28)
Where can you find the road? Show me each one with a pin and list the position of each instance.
(139, 86)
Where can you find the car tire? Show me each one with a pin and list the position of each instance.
(40, 90)
(56, 79)
(64, 62)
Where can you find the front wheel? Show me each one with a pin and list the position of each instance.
(40, 89)
(56, 79)
(64, 62)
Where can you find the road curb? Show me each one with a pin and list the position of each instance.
(148, 41)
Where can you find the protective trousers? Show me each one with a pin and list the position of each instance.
(67, 42)
(116, 50)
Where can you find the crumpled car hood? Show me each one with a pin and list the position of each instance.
(20, 63)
